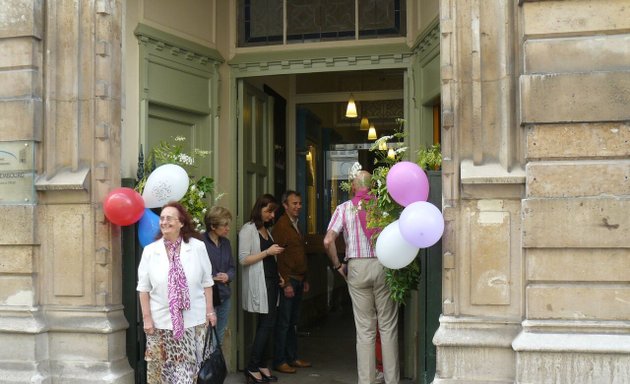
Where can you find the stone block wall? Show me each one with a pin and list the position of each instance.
(537, 184)
(575, 92)
(61, 316)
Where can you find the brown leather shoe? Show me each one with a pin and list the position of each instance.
(285, 368)
(301, 364)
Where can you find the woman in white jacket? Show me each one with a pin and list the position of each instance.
(175, 290)
(257, 253)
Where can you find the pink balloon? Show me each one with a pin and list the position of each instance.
(407, 183)
(123, 206)
(421, 224)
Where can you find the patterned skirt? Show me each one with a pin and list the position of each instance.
(171, 361)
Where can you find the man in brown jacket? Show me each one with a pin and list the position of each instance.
(292, 266)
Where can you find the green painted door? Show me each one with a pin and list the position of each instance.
(430, 292)
(164, 124)
(255, 177)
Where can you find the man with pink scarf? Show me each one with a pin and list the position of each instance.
(366, 283)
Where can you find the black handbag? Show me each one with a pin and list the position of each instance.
(213, 369)
(216, 296)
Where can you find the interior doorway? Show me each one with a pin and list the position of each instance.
(313, 155)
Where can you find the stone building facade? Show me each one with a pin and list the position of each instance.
(536, 181)
(536, 259)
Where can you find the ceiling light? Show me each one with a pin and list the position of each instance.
(351, 109)
(372, 133)
(365, 124)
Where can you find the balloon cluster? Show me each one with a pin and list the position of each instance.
(124, 206)
(420, 224)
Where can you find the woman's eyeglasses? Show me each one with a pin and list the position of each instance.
(169, 219)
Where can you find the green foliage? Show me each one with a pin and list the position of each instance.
(430, 159)
(383, 210)
(196, 198)
(401, 281)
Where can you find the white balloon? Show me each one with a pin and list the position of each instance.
(392, 250)
(166, 183)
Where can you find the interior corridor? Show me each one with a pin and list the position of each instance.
(330, 346)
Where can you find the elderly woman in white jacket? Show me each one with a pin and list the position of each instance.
(175, 291)
(257, 253)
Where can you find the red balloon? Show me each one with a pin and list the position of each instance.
(123, 206)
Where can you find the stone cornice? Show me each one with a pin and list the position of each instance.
(428, 40)
(65, 179)
(324, 59)
(491, 173)
(176, 46)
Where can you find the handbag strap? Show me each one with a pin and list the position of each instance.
(211, 332)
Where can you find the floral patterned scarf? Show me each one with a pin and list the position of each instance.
(178, 295)
(361, 197)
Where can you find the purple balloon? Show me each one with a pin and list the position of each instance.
(421, 224)
(407, 183)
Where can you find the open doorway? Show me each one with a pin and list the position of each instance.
(320, 144)
(332, 142)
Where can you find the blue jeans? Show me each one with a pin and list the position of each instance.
(223, 314)
(285, 346)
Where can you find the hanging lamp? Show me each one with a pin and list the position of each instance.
(365, 124)
(351, 109)
(372, 133)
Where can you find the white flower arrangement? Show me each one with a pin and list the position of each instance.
(185, 159)
(194, 200)
(354, 170)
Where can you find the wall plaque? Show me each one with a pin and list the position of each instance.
(17, 172)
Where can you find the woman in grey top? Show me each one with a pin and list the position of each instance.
(257, 253)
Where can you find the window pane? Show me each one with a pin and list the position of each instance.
(317, 20)
(259, 22)
(381, 18)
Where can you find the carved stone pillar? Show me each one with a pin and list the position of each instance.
(61, 316)
(536, 192)
(483, 183)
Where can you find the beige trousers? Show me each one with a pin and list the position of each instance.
(371, 302)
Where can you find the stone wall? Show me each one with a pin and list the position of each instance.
(575, 92)
(537, 189)
(61, 316)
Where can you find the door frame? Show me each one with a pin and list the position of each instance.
(243, 66)
(262, 146)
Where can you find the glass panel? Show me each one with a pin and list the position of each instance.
(317, 20)
(17, 172)
(260, 22)
(311, 189)
(381, 18)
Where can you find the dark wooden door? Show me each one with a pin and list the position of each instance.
(430, 292)
(131, 254)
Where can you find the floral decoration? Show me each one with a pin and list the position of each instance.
(199, 191)
(383, 210)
